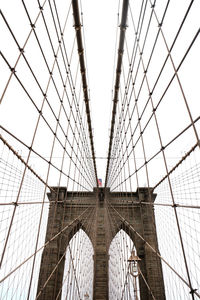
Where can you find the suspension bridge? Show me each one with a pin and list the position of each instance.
(63, 234)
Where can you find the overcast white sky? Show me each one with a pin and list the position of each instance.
(100, 25)
(100, 21)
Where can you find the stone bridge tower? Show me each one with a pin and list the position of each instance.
(137, 217)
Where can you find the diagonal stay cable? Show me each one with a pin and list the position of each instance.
(48, 67)
(46, 243)
(151, 248)
(42, 157)
(141, 51)
(23, 161)
(21, 50)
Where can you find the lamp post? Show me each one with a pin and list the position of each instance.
(134, 271)
(86, 296)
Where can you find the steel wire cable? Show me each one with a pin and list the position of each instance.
(44, 93)
(119, 168)
(80, 174)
